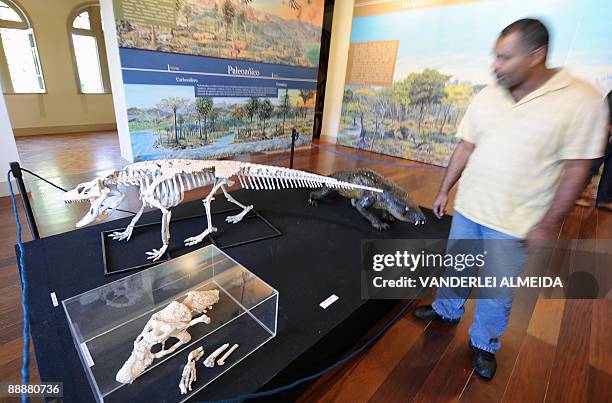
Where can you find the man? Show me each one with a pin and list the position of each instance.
(527, 145)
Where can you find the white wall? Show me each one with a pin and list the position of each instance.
(8, 148)
(336, 68)
(114, 71)
(62, 108)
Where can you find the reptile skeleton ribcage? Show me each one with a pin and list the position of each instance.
(163, 183)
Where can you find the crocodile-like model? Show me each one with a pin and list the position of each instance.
(393, 201)
(163, 183)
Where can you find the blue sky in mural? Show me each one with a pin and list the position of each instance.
(147, 96)
(458, 39)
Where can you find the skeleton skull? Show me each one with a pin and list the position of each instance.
(171, 322)
(103, 195)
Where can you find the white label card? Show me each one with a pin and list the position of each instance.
(54, 299)
(87, 355)
(330, 300)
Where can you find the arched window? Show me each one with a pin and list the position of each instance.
(88, 49)
(19, 62)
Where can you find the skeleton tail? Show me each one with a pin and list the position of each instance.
(265, 177)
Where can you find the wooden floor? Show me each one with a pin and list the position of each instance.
(553, 350)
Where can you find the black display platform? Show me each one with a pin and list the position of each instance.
(116, 258)
(318, 255)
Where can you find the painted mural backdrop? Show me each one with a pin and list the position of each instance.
(217, 78)
(444, 59)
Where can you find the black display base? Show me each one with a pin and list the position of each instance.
(318, 255)
(119, 258)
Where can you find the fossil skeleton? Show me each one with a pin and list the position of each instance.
(221, 360)
(163, 183)
(189, 372)
(210, 360)
(172, 321)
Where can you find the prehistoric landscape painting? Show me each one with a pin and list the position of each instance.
(444, 59)
(169, 122)
(272, 31)
(218, 78)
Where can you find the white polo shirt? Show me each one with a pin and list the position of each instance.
(511, 177)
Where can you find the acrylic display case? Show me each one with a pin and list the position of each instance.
(105, 321)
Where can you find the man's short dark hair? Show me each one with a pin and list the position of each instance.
(534, 33)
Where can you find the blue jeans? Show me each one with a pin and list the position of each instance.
(503, 259)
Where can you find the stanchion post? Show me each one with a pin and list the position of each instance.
(294, 136)
(17, 174)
